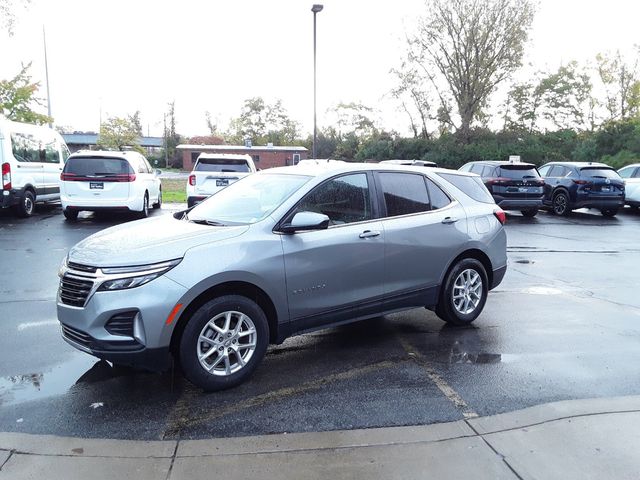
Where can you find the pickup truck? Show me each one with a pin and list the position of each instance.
(214, 171)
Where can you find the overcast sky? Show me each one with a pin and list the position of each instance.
(124, 56)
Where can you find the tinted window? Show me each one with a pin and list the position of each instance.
(518, 172)
(404, 193)
(31, 148)
(438, 198)
(472, 186)
(344, 199)
(221, 165)
(599, 172)
(556, 171)
(90, 166)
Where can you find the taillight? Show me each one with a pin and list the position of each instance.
(497, 181)
(67, 177)
(581, 182)
(500, 215)
(6, 176)
(192, 180)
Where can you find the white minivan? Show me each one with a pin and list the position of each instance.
(95, 180)
(32, 157)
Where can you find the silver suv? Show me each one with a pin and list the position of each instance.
(281, 252)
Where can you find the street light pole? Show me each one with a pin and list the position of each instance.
(46, 69)
(315, 9)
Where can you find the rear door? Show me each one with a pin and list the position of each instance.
(604, 183)
(420, 239)
(98, 180)
(518, 182)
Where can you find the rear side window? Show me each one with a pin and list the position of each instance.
(97, 166)
(518, 172)
(471, 186)
(221, 165)
(599, 172)
(404, 193)
(438, 198)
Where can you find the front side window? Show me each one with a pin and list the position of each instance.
(626, 172)
(544, 170)
(343, 199)
(404, 193)
(27, 147)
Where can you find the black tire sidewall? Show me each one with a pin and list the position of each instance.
(22, 210)
(566, 208)
(446, 310)
(70, 214)
(189, 362)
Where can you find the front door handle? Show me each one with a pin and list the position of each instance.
(369, 234)
(449, 220)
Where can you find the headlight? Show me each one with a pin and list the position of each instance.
(120, 278)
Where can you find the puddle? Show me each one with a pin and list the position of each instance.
(476, 358)
(58, 380)
(525, 262)
(542, 291)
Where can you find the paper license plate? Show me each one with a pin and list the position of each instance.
(96, 185)
(222, 183)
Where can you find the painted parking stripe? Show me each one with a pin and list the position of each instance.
(443, 386)
(43, 323)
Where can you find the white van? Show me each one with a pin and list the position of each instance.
(32, 158)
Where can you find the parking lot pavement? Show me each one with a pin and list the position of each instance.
(563, 325)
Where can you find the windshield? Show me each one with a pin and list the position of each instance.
(221, 165)
(248, 200)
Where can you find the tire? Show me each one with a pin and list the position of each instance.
(144, 213)
(230, 363)
(27, 204)
(529, 213)
(609, 212)
(158, 204)
(469, 278)
(71, 215)
(560, 204)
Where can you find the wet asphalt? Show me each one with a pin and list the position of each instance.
(564, 324)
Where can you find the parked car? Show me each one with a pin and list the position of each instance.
(513, 185)
(31, 157)
(416, 163)
(572, 185)
(631, 177)
(103, 180)
(214, 171)
(284, 251)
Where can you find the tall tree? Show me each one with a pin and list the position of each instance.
(136, 122)
(473, 45)
(8, 13)
(116, 133)
(263, 122)
(18, 98)
(621, 82)
(412, 93)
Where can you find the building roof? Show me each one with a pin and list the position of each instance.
(92, 139)
(242, 148)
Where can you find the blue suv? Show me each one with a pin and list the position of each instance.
(572, 185)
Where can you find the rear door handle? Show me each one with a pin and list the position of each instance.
(369, 234)
(448, 220)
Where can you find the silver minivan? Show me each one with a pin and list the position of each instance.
(285, 251)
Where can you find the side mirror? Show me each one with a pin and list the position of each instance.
(302, 221)
(158, 172)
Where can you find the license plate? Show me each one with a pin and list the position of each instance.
(523, 189)
(605, 189)
(96, 185)
(222, 183)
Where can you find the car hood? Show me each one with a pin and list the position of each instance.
(147, 241)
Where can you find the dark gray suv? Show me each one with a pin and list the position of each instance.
(284, 251)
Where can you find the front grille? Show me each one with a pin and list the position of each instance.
(82, 268)
(121, 324)
(74, 291)
(76, 336)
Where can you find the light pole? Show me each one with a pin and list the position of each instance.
(315, 9)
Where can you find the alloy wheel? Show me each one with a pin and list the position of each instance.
(467, 291)
(226, 343)
(560, 204)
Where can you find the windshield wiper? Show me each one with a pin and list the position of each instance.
(204, 221)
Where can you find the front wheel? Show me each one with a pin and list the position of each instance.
(223, 342)
(530, 213)
(609, 212)
(561, 204)
(463, 293)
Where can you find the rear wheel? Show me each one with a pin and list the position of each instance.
(609, 212)
(530, 213)
(158, 204)
(561, 204)
(463, 293)
(71, 215)
(144, 213)
(223, 342)
(27, 204)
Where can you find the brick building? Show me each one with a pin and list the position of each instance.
(263, 157)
